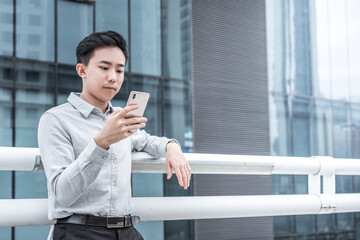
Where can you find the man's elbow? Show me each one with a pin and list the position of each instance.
(64, 196)
(65, 199)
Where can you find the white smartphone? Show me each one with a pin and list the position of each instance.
(139, 98)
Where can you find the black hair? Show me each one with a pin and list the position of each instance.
(86, 47)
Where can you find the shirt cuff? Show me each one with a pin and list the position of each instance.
(172, 141)
(98, 154)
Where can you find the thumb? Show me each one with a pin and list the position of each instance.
(169, 170)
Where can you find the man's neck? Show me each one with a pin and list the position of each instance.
(94, 101)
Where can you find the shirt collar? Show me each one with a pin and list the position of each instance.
(84, 107)
(109, 110)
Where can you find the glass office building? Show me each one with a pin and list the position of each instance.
(314, 91)
(314, 100)
(37, 71)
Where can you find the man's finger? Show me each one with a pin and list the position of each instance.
(189, 172)
(179, 176)
(185, 178)
(134, 127)
(135, 120)
(128, 109)
(169, 170)
(189, 169)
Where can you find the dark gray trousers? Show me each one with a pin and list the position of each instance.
(76, 232)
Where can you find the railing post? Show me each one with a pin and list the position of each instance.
(327, 172)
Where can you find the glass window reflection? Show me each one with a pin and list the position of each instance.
(322, 65)
(176, 38)
(341, 129)
(35, 31)
(145, 37)
(6, 28)
(322, 125)
(346, 221)
(353, 9)
(113, 15)
(75, 21)
(314, 46)
(355, 130)
(284, 225)
(326, 223)
(328, 236)
(275, 24)
(283, 184)
(300, 47)
(338, 53)
(280, 125)
(344, 184)
(301, 184)
(305, 223)
(6, 93)
(301, 126)
(68, 81)
(312, 237)
(177, 113)
(34, 95)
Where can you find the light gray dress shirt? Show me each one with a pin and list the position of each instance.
(82, 177)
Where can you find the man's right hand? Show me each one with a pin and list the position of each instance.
(117, 127)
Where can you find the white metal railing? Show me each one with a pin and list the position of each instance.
(20, 212)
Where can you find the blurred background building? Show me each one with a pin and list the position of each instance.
(255, 77)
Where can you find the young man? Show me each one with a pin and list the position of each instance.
(86, 145)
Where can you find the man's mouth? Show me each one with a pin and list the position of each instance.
(110, 88)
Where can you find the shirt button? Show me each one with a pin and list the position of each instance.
(104, 120)
(114, 161)
(113, 206)
(114, 183)
(104, 157)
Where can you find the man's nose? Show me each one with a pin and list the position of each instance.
(112, 76)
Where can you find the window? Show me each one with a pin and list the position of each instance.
(35, 34)
(69, 33)
(34, 20)
(34, 39)
(145, 37)
(176, 39)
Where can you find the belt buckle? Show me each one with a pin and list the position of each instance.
(127, 221)
(115, 224)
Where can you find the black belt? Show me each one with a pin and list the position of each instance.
(109, 222)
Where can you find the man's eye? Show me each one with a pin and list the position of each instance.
(119, 71)
(103, 68)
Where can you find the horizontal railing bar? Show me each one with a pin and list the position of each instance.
(28, 159)
(26, 212)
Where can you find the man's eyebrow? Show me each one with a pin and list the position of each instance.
(109, 63)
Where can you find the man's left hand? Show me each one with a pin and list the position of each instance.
(176, 160)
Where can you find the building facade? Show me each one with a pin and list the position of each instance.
(37, 71)
(289, 68)
(314, 78)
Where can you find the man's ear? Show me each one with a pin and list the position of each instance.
(80, 69)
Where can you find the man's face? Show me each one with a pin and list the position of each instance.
(104, 74)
